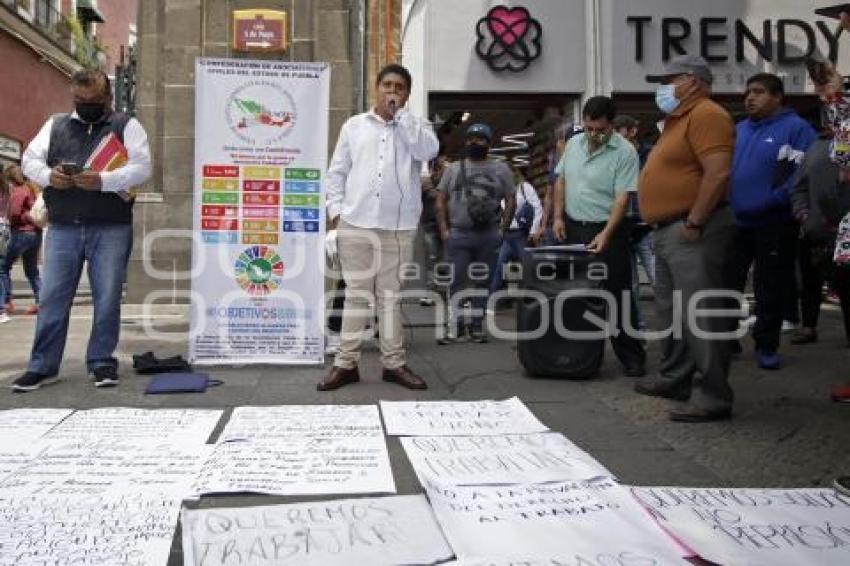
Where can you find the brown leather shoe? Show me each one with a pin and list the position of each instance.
(337, 378)
(404, 377)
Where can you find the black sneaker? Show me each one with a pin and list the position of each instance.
(31, 381)
(105, 376)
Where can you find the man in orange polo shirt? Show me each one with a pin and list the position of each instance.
(683, 192)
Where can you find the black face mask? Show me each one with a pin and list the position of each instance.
(477, 151)
(90, 112)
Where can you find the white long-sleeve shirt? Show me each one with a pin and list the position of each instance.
(373, 179)
(526, 190)
(134, 173)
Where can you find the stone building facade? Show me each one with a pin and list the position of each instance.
(171, 35)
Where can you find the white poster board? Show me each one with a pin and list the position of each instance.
(192, 426)
(14, 456)
(132, 529)
(574, 522)
(368, 531)
(458, 418)
(476, 460)
(298, 466)
(261, 145)
(293, 421)
(25, 425)
(780, 527)
(88, 467)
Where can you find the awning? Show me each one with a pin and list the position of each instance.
(86, 11)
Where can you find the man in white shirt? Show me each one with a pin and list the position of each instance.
(374, 200)
(91, 222)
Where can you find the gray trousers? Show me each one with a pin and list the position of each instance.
(691, 268)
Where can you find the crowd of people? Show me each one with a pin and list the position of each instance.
(710, 203)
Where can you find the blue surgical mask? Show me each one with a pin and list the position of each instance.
(665, 98)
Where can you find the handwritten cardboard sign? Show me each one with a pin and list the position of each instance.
(780, 527)
(26, 425)
(138, 425)
(98, 467)
(133, 529)
(373, 531)
(458, 418)
(572, 522)
(293, 421)
(14, 456)
(298, 466)
(476, 460)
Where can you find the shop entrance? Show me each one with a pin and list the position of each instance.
(525, 126)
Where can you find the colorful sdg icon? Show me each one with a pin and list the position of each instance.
(259, 271)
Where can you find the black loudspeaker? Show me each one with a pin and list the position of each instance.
(553, 355)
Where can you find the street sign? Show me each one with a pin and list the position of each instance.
(259, 31)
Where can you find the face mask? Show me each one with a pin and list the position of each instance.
(90, 112)
(600, 138)
(665, 98)
(477, 151)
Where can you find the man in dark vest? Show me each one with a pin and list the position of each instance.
(90, 221)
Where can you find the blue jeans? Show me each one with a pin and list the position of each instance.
(512, 249)
(105, 248)
(464, 248)
(24, 245)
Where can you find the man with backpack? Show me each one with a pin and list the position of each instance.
(472, 223)
(91, 221)
(597, 171)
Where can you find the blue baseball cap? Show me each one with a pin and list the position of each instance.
(480, 129)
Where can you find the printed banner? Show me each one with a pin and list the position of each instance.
(260, 157)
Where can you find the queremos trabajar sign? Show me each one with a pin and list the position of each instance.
(508, 39)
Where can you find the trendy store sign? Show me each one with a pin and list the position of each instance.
(721, 39)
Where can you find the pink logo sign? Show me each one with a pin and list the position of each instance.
(508, 38)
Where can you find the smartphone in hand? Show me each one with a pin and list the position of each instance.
(70, 168)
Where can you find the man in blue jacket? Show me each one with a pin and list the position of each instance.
(770, 146)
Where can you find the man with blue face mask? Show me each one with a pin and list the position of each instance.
(683, 192)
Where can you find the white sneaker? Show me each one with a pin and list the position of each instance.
(749, 322)
(4, 318)
(331, 344)
(788, 326)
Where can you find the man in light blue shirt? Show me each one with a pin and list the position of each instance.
(598, 169)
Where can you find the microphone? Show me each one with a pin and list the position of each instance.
(393, 106)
